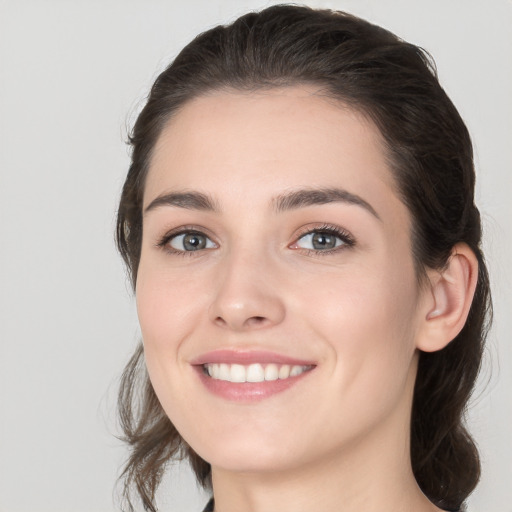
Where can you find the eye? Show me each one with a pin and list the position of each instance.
(323, 239)
(319, 241)
(189, 241)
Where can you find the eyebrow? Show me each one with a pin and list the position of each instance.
(187, 200)
(284, 202)
(311, 197)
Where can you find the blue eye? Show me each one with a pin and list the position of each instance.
(190, 241)
(324, 240)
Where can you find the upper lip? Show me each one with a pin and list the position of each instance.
(246, 357)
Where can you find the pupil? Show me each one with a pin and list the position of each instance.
(194, 242)
(323, 241)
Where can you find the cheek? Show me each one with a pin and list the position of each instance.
(164, 322)
(371, 338)
(165, 306)
(165, 319)
(368, 318)
(376, 301)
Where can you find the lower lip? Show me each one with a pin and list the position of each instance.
(248, 391)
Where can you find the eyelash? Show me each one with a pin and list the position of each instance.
(329, 229)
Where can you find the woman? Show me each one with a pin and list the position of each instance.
(299, 225)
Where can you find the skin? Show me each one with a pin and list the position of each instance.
(339, 438)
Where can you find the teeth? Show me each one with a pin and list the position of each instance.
(224, 371)
(271, 372)
(284, 371)
(238, 373)
(296, 370)
(215, 371)
(255, 372)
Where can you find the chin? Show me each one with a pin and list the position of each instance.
(252, 461)
(245, 454)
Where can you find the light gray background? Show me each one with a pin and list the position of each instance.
(72, 75)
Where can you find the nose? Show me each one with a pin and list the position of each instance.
(247, 295)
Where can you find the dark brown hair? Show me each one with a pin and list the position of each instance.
(394, 83)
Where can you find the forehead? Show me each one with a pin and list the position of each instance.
(257, 144)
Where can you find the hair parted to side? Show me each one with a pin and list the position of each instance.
(394, 83)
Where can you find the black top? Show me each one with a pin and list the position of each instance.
(209, 506)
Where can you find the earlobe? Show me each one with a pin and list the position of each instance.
(450, 297)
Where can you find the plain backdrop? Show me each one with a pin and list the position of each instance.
(73, 74)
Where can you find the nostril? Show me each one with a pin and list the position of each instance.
(252, 321)
(256, 320)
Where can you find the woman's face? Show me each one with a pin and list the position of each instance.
(276, 251)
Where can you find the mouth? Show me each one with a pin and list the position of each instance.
(247, 376)
(255, 372)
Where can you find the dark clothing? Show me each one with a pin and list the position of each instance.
(209, 506)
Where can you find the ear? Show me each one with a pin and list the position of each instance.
(448, 300)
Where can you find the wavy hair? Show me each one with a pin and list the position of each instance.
(395, 84)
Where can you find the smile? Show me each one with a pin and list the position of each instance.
(249, 376)
(255, 372)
